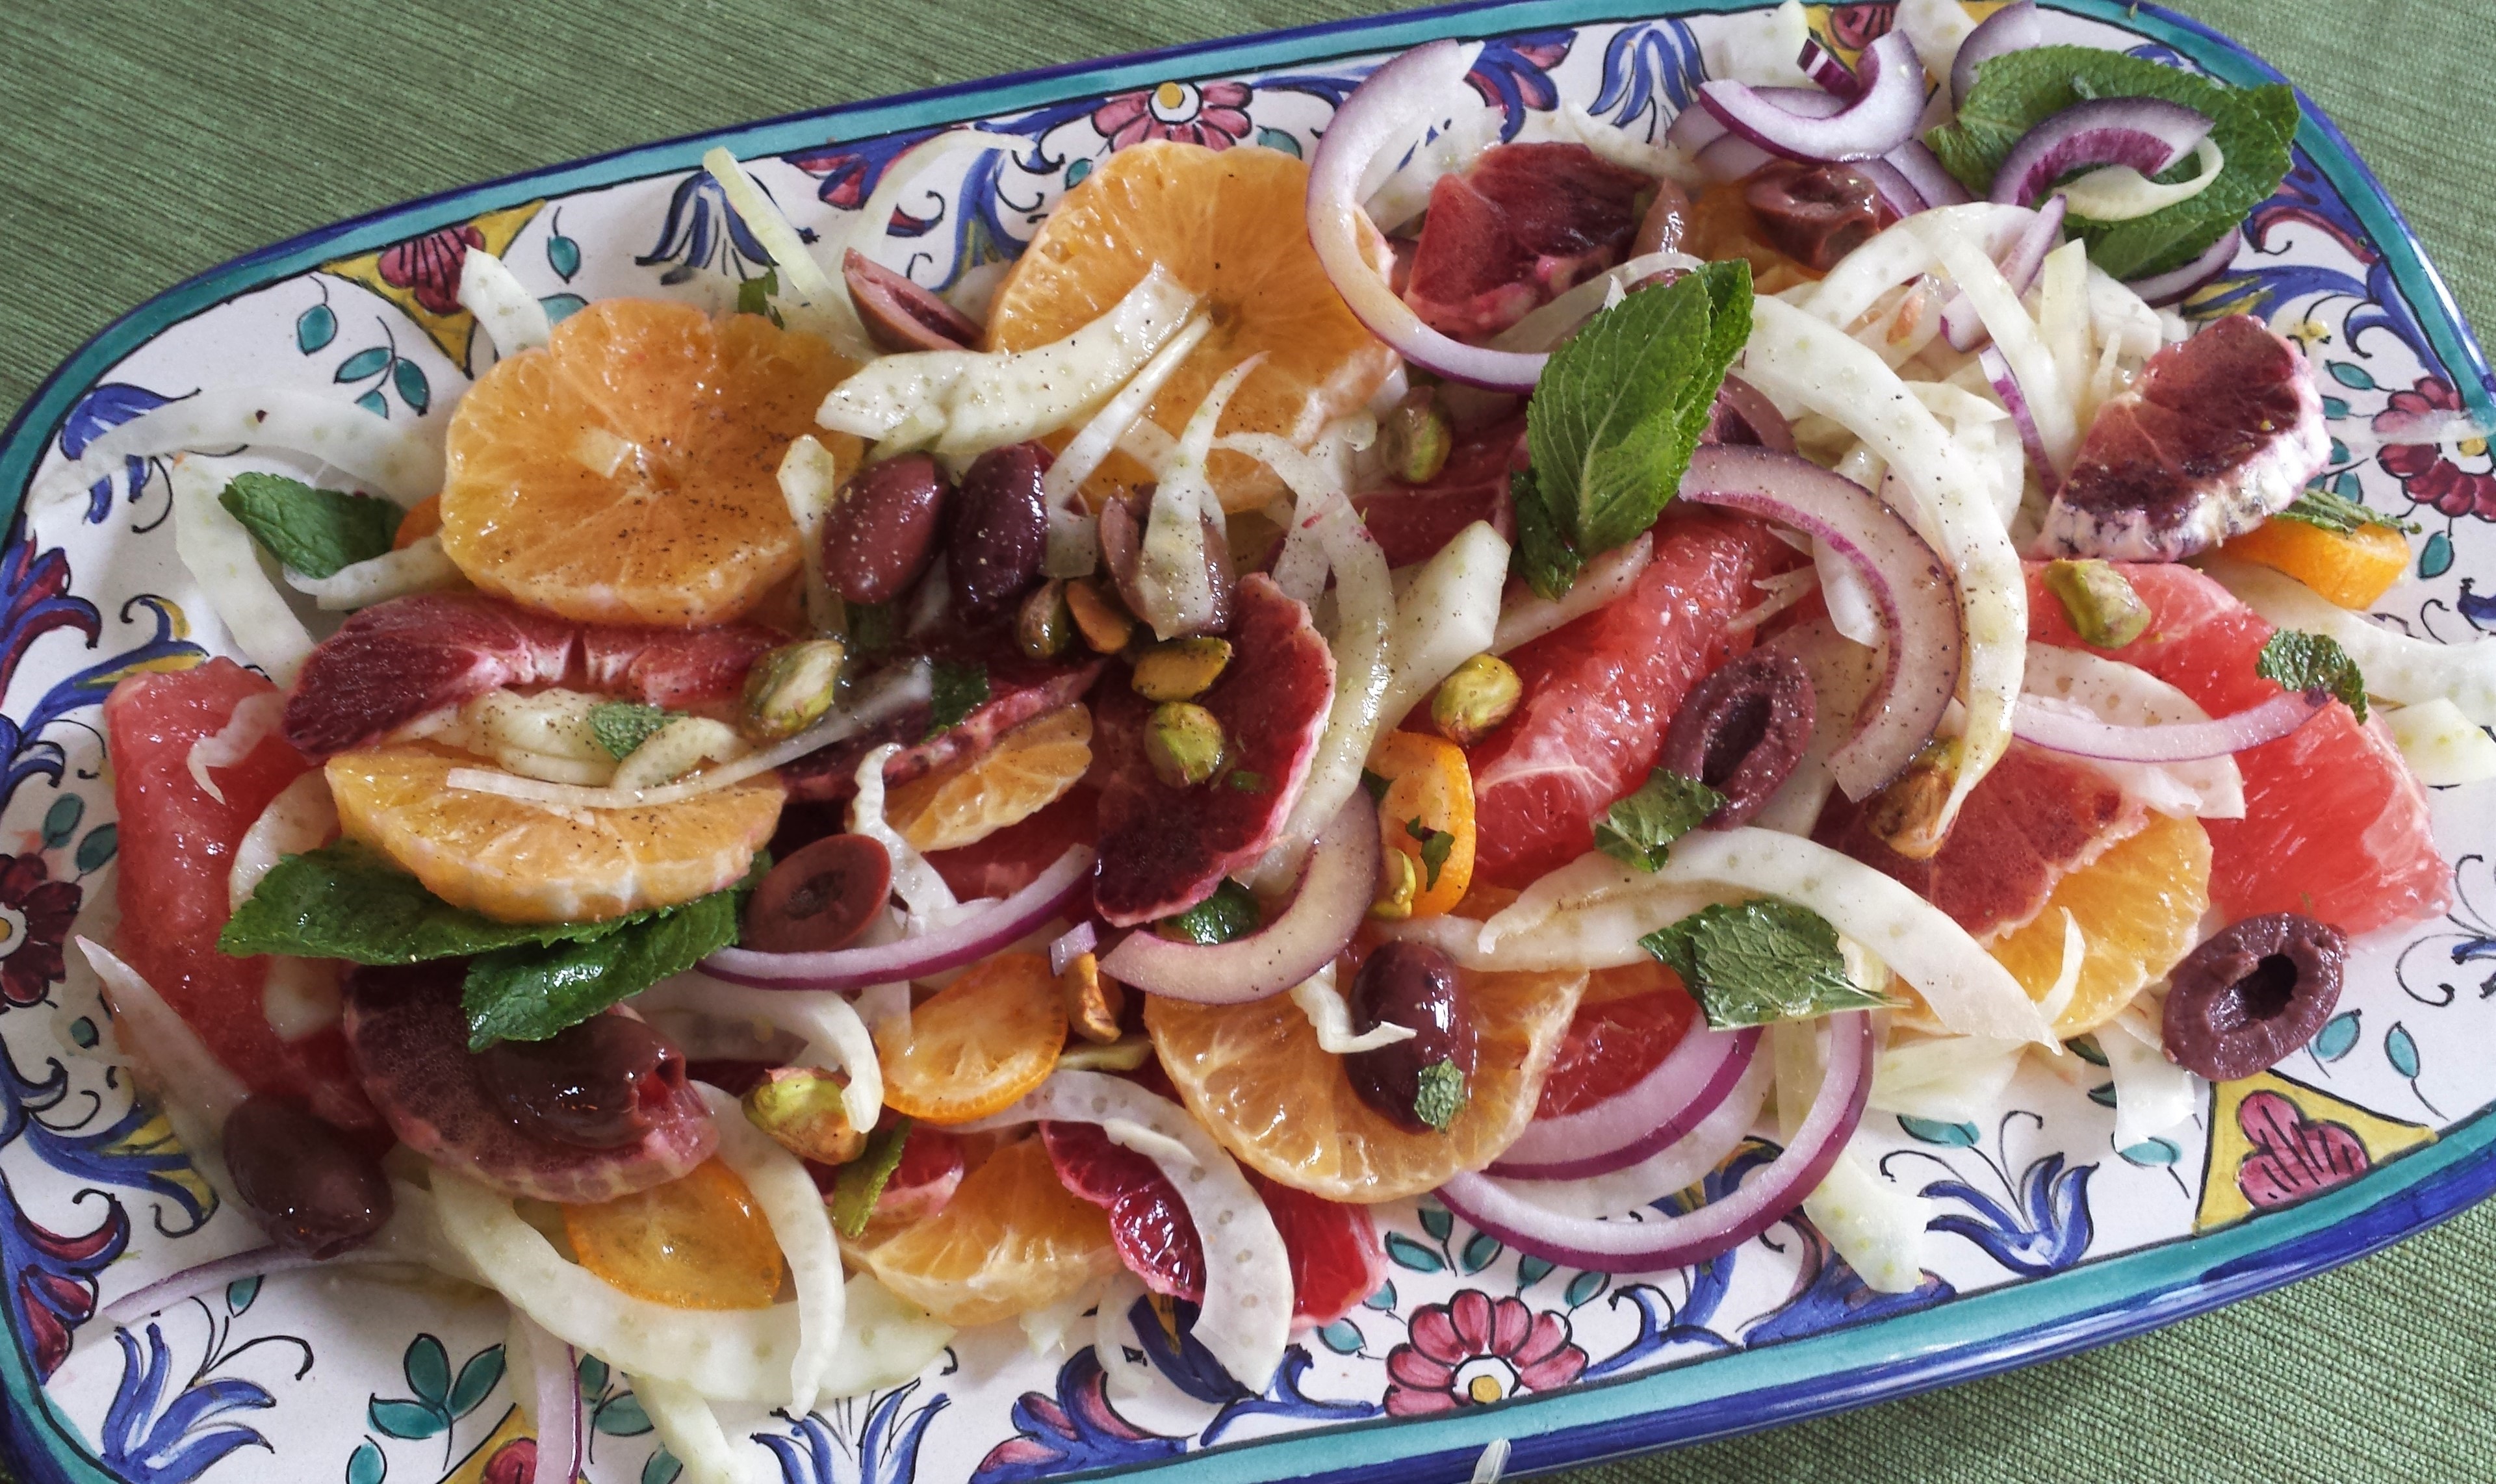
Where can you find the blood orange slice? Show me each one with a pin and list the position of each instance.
(1522, 224)
(1628, 1023)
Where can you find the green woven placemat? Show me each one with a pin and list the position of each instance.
(147, 142)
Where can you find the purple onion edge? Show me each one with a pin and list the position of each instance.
(1722, 1078)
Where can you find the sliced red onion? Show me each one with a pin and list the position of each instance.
(1960, 323)
(1333, 898)
(1895, 190)
(265, 1261)
(1677, 1167)
(557, 1403)
(1880, 117)
(1072, 944)
(2160, 288)
(2086, 736)
(1910, 585)
(1922, 168)
(1657, 1241)
(2005, 385)
(2013, 28)
(915, 958)
(1737, 398)
(1651, 1114)
(2147, 133)
(1382, 111)
(1821, 65)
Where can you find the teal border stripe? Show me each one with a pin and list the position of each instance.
(1953, 1340)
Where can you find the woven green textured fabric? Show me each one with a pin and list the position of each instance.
(148, 141)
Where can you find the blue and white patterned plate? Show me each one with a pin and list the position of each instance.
(2048, 1238)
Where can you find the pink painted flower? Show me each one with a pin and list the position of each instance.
(35, 917)
(430, 266)
(1476, 1349)
(1214, 114)
(2293, 1156)
(2427, 475)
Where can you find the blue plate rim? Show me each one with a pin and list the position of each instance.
(1961, 1339)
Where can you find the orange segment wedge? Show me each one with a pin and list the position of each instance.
(698, 1242)
(982, 1041)
(628, 472)
(2352, 570)
(2139, 907)
(521, 862)
(1233, 225)
(1028, 769)
(1429, 786)
(1012, 1240)
(1254, 1075)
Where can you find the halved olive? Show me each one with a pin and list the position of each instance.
(820, 898)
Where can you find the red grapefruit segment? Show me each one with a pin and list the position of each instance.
(1412, 521)
(1522, 224)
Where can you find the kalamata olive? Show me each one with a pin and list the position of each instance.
(1416, 986)
(898, 314)
(1814, 213)
(882, 531)
(1744, 415)
(1665, 222)
(2251, 995)
(596, 1085)
(1122, 547)
(820, 898)
(312, 1190)
(1742, 731)
(1000, 530)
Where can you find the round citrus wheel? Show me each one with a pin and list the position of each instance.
(2138, 907)
(698, 1242)
(1013, 1239)
(628, 472)
(981, 1042)
(1028, 769)
(1254, 1075)
(521, 862)
(1232, 224)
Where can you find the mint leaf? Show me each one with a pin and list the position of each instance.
(1761, 961)
(753, 296)
(1640, 829)
(1374, 784)
(1442, 1095)
(2312, 661)
(860, 1182)
(1544, 556)
(621, 725)
(1231, 912)
(2337, 513)
(313, 531)
(529, 993)
(873, 629)
(2016, 91)
(956, 690)
(1436, 846)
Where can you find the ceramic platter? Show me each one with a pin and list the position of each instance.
(2047, 1237)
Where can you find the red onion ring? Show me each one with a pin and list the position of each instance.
(1910, 585)
(1961, 325)
(1657, 1110)
(1677, 1167)
(2011, 28)
(2174, 284)
(1328, 907)
(1659, 1241)
(915, 958)
(265, 1261)
(1882, 116)
(1821, 65)
(1377, 114)
(1739, 400)
(1072, 944)
(1895, 190)
(1922, 168)
(2005, 385)
(2147, 133)
(2086, 736)
(557, 1403)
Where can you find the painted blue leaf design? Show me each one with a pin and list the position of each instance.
(1933, 1131)
(477, 1379)
(2401, 1050)
(2351, 375)
(621, 1417)
(1583, 1287)
(372, 361)
(402, 1419)
(2337, 1036)
(593, 1378)
(2347, 486)
(413, 388)
(1343, 1337)
(98, 847)
(1530, 1270)
(1405, 1252)
(314, 328)
(1383, 1300)
(1076, 173)
(366, 1465)
(563, 255)
(1277, 139)
(2436, 559)
(2103, 1094)
(2340, 455)
(61, 821)
(374, 403)
(2086, 1048)
(1480, 1252)
(239, 1294)
(2153, 1151)
(1436, 1220)
(2335, 407)
(427, 1366)
(560, 307)
(662, 1469)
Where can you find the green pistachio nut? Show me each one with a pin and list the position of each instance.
(2102, 606)
(1099, 617)
(1180, 669)
(1413, 438)
(1045, 625)
(1472, 702)
(1398, 883)
(801, 1108)
(1184, 743)
(790, 688)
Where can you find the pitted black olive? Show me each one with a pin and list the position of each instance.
(1742, 731)
(2251, 995)
(1815, 214)
(313, 1191)
(1418, 1084)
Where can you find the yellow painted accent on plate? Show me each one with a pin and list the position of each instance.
(472, 1468)
(452, 331)
(2223, 1196)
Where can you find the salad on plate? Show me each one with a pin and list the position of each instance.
(1488, 670)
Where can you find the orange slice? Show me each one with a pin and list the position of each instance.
(1253, 1074)
(982, 1041)
(1013, 1239)
(1233, 225)
(2352, 570)
(521, 862)
(1429, 785)
(698, 1242)
(1028, 769)
(2139, 907)
(628, 471)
